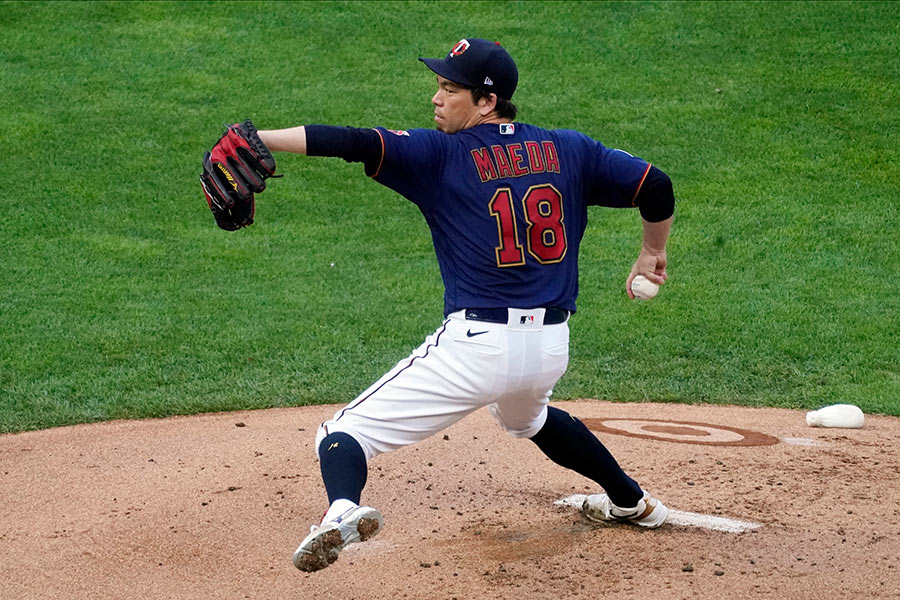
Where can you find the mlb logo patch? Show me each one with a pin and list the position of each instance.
(507, 128)
(399, 132)
(527, 320)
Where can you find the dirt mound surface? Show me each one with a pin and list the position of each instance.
(213, 506)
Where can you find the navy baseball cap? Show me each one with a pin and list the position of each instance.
(478, 63)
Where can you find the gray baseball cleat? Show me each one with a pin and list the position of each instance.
(649, 511)
(322, 545)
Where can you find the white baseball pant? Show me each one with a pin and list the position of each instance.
(464, 365)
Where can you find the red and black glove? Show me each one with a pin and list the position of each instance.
(233, 172)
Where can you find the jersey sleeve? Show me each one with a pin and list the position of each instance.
(615, 178)
(411, 162)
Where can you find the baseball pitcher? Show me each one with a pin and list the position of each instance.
(506, 203)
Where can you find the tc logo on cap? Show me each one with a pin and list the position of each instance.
(460, 47)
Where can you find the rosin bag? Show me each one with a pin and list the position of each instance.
(837, 415)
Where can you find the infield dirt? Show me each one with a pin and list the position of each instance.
(213, 506)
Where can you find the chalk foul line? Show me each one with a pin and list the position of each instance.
(683, 518)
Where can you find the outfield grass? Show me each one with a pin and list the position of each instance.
(119, 297)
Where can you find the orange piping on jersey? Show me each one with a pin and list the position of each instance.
(380, 162)
(638, 190)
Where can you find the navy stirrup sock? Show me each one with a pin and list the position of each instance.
(344, 469)
(569, 443)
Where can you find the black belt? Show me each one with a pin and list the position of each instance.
(552, 316)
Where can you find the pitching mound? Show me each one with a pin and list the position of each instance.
(213, 507)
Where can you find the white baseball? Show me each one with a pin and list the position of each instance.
(643, 288)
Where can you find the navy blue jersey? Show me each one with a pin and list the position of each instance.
(507, 206)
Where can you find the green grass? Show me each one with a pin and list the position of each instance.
(119, 297)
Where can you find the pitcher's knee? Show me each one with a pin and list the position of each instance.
(518, 424)
(330, 427)
(373, 441)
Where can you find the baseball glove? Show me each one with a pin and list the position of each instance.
(233, 172)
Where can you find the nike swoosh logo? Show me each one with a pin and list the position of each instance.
(470, 334)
